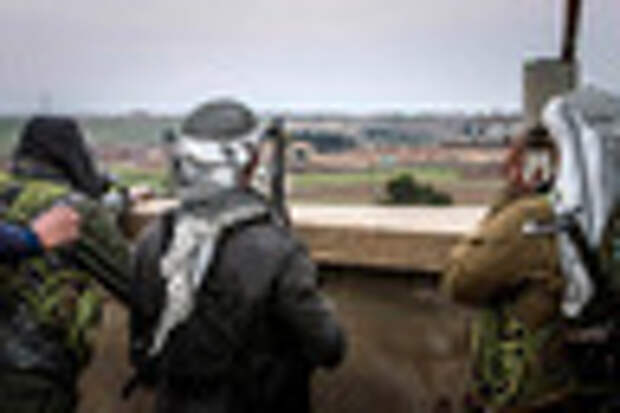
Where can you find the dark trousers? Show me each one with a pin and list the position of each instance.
(171, 399)
(31, 393)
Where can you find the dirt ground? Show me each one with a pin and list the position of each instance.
(407, 352)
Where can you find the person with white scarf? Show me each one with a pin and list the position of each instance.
(227, 314)
(536, 268)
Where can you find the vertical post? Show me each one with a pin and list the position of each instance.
(278, 184)
(571, 30)
(546, 78)
(168, 141)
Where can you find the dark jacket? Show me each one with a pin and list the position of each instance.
(268, 274)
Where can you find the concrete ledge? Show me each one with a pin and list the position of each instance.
(399, 238)
(390, 250)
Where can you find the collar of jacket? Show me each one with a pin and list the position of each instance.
(223, 200)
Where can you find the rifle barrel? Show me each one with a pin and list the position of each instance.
(105, 271)
(278, 187)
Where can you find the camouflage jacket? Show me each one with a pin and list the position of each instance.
(515, 281)
(51, 302)
(525, 353)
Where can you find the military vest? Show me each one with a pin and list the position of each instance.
(509, 364)
(57, 295)
(517, 365)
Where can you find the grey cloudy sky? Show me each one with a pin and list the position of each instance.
(349, 55)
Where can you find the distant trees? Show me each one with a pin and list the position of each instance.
(395, 136)
(325, 141)
(404, 189)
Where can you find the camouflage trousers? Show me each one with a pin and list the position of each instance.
(31, 393)
(576, 404)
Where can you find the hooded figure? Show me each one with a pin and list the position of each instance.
(50, 303)
(227, 316)
(53, 148)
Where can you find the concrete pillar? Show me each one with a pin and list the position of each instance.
(542, 80)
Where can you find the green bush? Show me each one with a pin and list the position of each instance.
(404, 189)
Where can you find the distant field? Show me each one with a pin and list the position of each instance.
(139, 130)
(359, 188)
(368, 187)
(129, 176)
(427, 174)
(9, 128)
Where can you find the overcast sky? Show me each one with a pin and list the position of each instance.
(349, 55)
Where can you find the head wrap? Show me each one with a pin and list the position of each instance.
(585, 125)
(217, 144)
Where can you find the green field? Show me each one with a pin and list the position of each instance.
(424, 174)
(129, 176)
(361, 187)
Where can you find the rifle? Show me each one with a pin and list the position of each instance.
(110, 275)
(277, 133)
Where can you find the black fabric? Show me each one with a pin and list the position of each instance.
(211, 337)
(148, 297)
(32, 393)
(219, 120)
(216, 335)
(57, 142)
(26, 345)
(270, 328)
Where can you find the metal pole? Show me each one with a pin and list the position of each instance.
(571, 30)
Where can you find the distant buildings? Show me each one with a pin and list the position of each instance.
(359, 143)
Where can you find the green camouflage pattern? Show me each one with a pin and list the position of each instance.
(509, 364)
(66, 297)
(515, 283)
(522, 357)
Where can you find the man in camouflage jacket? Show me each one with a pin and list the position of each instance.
(519, 360)
(50, 303)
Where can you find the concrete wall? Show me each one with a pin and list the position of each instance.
(543, 79)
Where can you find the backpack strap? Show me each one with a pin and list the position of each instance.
(150, 365)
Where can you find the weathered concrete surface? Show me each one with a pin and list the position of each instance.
(408, 349)
(402, 238)
(542, 80)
